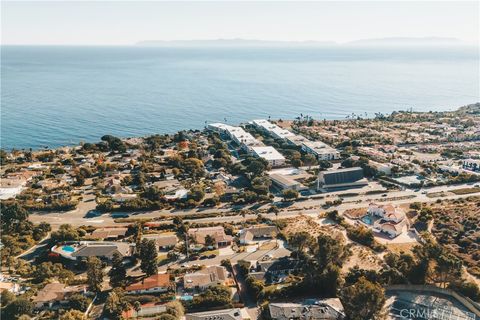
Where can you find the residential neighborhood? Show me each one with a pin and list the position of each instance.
(267, 219)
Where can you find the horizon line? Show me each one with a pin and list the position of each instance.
(398, 40)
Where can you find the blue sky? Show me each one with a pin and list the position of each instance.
(127, 22)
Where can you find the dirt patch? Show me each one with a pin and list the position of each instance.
(455, 226)
(356, 213)
(401, 247)
(309, 225)
(362, 257)
(465, 191)
(439, 194)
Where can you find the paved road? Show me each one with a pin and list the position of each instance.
(36, 250)
(234, 257)
(77, 217)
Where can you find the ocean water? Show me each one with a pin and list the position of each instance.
(54, 96)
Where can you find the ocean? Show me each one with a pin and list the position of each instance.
(54, 96)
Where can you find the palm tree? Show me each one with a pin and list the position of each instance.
(137, 307)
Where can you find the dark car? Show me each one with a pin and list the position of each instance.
(212, 256)
(203, 257)
(119, 215)
(93, 214)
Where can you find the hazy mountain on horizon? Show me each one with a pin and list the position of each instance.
(405, 41)
(230, 42)
(408, 41)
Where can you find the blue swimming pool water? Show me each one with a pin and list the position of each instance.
(186, 298)
(367, 219)
(68, 249)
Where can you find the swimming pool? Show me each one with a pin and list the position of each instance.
(186, 298)
(68, 248)
(367, 219)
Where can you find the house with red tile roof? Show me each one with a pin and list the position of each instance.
(157, 283)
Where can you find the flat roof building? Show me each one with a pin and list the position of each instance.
(320, 150)
(237, 134)
(274, 158)
(272, 129)
(225, 314)
(341, 178)
(285, 182)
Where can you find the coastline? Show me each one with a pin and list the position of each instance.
(46, 147)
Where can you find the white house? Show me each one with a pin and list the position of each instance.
(274, 158)
(387, 212)
(320, 150)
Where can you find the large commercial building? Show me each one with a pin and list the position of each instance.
(237, 134)
(249, 143)
(341, 178)
(272, 129)
(284, 182)
(274, 158)
(320, 150)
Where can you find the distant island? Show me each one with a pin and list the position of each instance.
(231, 43)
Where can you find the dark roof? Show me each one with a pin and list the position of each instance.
(97, 251)
(281, 264)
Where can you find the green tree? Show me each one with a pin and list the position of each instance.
(115, 304)
(329, 251)
(12, 216)
(148, 257)
(95, 274)
(137, 306)
(17, 308)
(210, 241)
(6, 297)
(66, 232)
(3, 157)
(256, 167)
(194, 168)
(448, 268)
(73, 315)
(309, 160)
(261, 185)
(79, 302)
(300, 241)
(196, 193)
(213, 297)
(290, 194)
(176, 309)
(363, 300)
(114, 143)
(166, 316)
(118, 272)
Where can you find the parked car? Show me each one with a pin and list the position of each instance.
(119, 215)
(93, 214)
